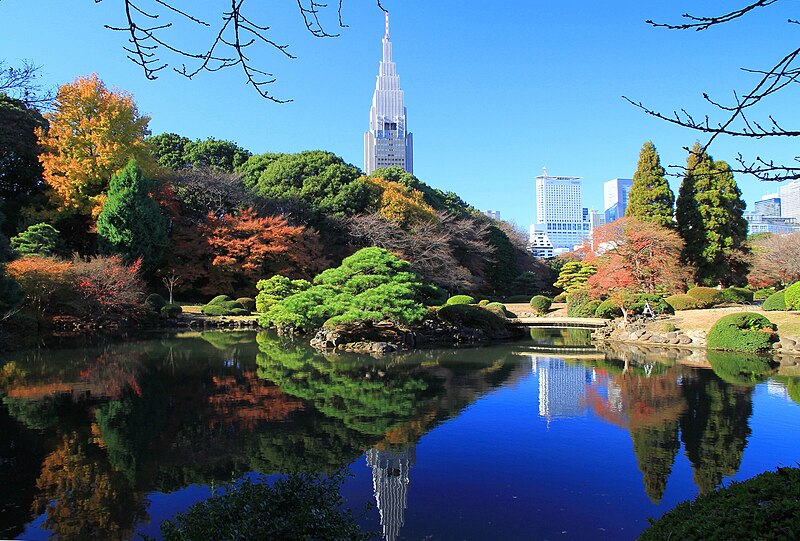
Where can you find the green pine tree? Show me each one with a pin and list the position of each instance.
(131, 224)
(38, 239)
(710, 220)
(650, 198)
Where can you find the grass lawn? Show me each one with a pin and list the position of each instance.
(788, 322)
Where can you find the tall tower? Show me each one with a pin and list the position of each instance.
(390, 481)
(388, 142)
(559, 211)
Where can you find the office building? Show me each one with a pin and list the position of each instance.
(615, 198)
(790, 200)
(388, 142)
(559, 212)
(770, 205)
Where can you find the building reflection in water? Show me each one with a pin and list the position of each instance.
(562, 387)
(390, 469)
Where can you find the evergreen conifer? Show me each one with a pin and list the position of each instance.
(131, 224)
(650, 198)
(710, 220)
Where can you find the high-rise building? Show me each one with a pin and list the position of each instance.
(790, 200)
(388, 141)
(770, 205)
(615, 198)
(390, 479)
(559, 212)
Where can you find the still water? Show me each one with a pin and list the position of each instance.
(545, 438)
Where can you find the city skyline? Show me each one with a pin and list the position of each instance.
(470, 92)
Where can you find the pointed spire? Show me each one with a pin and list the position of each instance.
(386, 37)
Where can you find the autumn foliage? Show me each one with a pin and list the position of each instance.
(637, 257)
(93, 133)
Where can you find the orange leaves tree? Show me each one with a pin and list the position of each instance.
(398, 203)
(636, 257)
(230, 253)
(92, 134)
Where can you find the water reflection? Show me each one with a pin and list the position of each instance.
(87, 434)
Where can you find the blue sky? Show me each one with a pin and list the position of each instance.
(495, 90)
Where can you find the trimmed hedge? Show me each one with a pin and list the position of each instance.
(762, 294)
(764, 507)
(472, 316)
(746, 331)
(793, 296)
(608, 310)
(461, 299)
(776, 301)
(682, 301)
(561, 297)
(736, 295)
(706, 296)
(171, 311)
(658, 304)
(222, 305)
(247, 302)
(483, 302)
(541, 304)
(155, 302)
(220, 299)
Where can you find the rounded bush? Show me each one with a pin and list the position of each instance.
(793, 296)
(155, 302)
(775, 302)
(661, 326)
(483, 302)
(561, 297)
(658, 304)
(762, 294)
(608, 309)
(219, 299)
(746, 331)
(225, 308)
(759, 508)
(171, 311)
(736, 295)
(541, 304)
(682, 301)
(461, 299)
(475, 317)
(706, 296)
(247, 302)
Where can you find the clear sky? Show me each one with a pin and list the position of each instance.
(494, 90)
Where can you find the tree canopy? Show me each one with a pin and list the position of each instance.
(650, 198)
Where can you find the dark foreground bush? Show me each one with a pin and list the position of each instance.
(247, 302)
(764, 507)
(475, 317)
(540, 304)
(297, 507)
(461, 299)
(775, 302)
(746, 331)
(706, 296)
(171, 311)
(155, 302)
(681, 301)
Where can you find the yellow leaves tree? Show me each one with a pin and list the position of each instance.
(400, 204)
(93, 133)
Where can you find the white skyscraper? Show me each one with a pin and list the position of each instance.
(790, 200)
(559, 212)
(388, 142)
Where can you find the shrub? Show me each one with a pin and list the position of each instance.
(248, 303)
(760, 508)
(776, 301)
(219, 299)
(38, 239)
(275, 289)
(540, 304)
(483, 302)
(746, 331)
(155, 302)
(762, 294)
(736, 295)
(500, 309)
(793, 296)
(682, 301)
(171, 311)
(461, 299)
(474, 317)
(706, 296)
(608, 309)
(229, 308)
(658, 304)
(581, 304)
(661, 326)
(561, 297)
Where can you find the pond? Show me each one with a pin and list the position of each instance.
(546, 438)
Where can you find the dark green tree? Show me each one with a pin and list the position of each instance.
(502, 269)
(710, 220)
(650, 199)
(131, 224)
(38, 239)
(655, 448)
(219, 154)
(169, 150)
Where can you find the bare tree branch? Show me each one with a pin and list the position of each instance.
(148, 24)
(22, 83)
